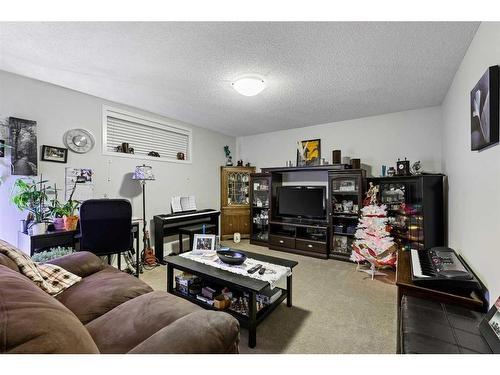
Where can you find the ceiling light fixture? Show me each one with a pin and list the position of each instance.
(249, 86)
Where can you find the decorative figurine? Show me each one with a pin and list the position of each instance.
(229, 161)
(371, 195)
(239, 163)
(416, 168)
(391, 172)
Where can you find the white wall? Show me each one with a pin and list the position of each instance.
(57, 109)
(474, 177)
(377, 140)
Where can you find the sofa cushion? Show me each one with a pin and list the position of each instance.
(81, 263)
(31, 321)
(101, 292)
(127, 325)
(201, 332)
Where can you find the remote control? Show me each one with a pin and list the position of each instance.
(255, 268)
(262, 270)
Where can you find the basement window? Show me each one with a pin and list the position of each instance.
(132, 135)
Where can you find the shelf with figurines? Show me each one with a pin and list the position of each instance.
(346, 197)
(260, 197)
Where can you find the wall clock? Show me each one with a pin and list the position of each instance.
(79, 140)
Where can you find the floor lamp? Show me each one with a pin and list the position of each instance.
(143, 173)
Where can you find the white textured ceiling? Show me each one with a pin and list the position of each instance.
(315, 72)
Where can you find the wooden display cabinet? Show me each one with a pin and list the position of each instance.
(235, 201)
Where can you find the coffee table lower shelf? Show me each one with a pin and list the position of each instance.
(243, 319)
(253, 319)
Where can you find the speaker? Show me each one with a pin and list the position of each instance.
(356, 163)
(336, 157)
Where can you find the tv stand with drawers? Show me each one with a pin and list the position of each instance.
(299, 235)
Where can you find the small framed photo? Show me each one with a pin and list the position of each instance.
(54, 154)
(203, 243)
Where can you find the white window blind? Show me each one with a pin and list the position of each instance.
(144, 135)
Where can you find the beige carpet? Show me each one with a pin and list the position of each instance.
(336, 309)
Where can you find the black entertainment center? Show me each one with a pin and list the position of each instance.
(300, 209)
(314, 210)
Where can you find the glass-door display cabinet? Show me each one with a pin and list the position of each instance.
(346, 188)
(235, 201)
(415, 209)
(260, 197)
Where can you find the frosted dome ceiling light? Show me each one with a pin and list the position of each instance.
(249, 86)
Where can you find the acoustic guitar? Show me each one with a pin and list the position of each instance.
(148, 256)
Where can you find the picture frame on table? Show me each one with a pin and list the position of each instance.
(54, 154)
(203, 244)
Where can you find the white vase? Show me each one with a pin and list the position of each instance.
(237, 237)
(38, 228)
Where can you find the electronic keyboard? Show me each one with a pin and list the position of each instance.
(441, 267)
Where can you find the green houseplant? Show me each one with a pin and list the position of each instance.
(31, 196)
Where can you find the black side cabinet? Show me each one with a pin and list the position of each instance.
(415, 206)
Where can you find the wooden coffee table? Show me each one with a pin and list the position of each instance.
(235, 282)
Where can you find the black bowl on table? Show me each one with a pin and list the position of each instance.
(231, 257)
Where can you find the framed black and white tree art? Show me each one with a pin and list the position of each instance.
(24, 156)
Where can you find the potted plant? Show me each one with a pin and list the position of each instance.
(31, 196)
(69, 210)
(57, 211)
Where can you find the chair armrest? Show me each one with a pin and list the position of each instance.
(81, 263)
(201, 332)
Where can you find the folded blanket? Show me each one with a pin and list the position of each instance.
(50, 278)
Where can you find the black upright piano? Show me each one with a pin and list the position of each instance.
(168, 225)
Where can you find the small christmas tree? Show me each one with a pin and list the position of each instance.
(373, 242)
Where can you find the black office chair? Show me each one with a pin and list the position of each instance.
(105, 227)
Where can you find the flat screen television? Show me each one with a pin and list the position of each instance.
(302, 202)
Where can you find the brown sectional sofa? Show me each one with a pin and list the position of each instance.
(107, 312)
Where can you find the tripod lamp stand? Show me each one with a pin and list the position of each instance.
(143, 173)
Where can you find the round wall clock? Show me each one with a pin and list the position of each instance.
(79, 140)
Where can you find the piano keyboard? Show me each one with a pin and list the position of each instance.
(419, 269)
(187, 214)
(441, 268)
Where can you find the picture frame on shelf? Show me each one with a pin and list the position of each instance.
(308, 152)
(54, 154)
